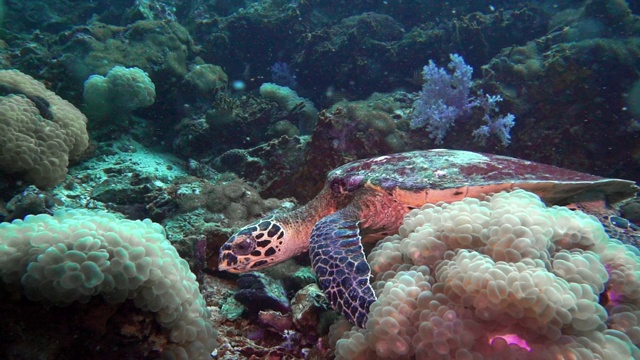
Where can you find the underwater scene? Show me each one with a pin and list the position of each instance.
(319, 179)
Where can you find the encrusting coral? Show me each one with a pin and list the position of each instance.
(502, 277)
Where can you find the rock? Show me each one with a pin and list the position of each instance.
(259, 292)
(30, 201)
(301, 278)
(120, 190)
(307, 306)
(231, 309)
(275, 320)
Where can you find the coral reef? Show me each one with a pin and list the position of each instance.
(268, 167)
(207, 79)
(207, 157)
(294, 330)
(500, 277)
(566, 92)
(289, 100)
(242, 122)
(30, 201)
(358, 130)
(354, 53)
(233, 199)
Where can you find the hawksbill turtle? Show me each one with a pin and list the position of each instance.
(368, 199)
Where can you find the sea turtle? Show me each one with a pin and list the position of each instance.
(369, 198)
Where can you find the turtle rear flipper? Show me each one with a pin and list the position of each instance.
(338, 259)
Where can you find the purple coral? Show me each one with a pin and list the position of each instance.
(444, 97)
(500, 126)
(447, 96)
(283, 75)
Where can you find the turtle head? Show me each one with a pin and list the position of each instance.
(255, 246)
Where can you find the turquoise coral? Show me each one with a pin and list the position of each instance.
(121, 91)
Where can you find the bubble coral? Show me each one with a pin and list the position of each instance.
(39, 131)
(75, 255)
(502, 277)
(121, 91)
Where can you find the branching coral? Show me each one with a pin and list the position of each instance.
(446, 97)
(503, 277)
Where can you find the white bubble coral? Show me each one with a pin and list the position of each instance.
(75, 255)
(503, 277)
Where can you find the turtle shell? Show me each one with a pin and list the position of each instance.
(429, 176)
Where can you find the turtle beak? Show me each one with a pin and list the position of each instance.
(223, 266)
(229, 263)
(227, 268)
(227, 260)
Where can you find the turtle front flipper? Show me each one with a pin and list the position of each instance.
(338, 259)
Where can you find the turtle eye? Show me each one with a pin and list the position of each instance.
(244, 246)
(337, 186)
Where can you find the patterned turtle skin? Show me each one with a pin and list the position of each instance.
(367, 200)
